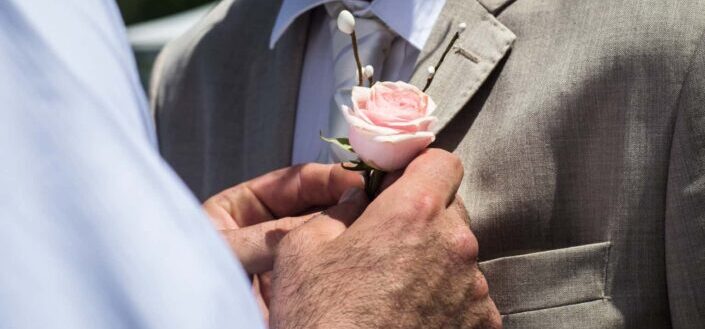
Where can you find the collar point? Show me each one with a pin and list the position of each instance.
(273, 42)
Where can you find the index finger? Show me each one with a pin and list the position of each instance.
(290, 191)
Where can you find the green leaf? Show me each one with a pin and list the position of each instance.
(342, 142)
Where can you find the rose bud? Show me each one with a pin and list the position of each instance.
(390, 124)
(346, 22)
(368, 71)
(462, 26)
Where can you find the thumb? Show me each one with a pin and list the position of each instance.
(329, 224)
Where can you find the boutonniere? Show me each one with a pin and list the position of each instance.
(390, 122)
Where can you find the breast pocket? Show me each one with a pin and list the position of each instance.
(561, 288)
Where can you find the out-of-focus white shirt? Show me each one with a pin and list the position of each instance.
(96, 231)
(412, 20)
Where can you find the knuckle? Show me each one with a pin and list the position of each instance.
(425, 205)
(454, 164)
(480, 288)
(215, 202)
(293, 242)
(464, 244)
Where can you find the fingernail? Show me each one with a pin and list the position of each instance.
(349, 195)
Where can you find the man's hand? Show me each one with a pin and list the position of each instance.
(409, 261)
(255, 215)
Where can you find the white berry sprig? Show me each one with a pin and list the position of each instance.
(369, 72)
(346, 24)
(432, 69)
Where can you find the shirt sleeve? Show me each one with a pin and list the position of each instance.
(96, 231)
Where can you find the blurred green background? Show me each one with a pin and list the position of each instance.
(153, 23)
(134, 11)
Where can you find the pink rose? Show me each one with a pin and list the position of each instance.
(390, 123)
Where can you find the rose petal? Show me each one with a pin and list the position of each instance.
(418, 125)
(362, 114)
(387, 119)
(404, 137)
(389, 153)
(390, 123)
(354, 121)
(430, 105)
(398, 100)
(360, 97)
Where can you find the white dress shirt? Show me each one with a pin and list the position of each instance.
(412, 20)
(96, 231)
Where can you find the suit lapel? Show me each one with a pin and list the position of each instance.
(495, 6)
(483, 44)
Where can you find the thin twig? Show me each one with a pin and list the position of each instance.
(367, 176)
(357, 58)
(438, 65)
(373, 181)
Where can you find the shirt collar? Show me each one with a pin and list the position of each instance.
(412, 20)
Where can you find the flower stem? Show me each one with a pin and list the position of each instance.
(373, 181)
(357, 58)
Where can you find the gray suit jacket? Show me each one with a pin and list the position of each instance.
(581, 127)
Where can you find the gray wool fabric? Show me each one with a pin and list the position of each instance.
(581, 126)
